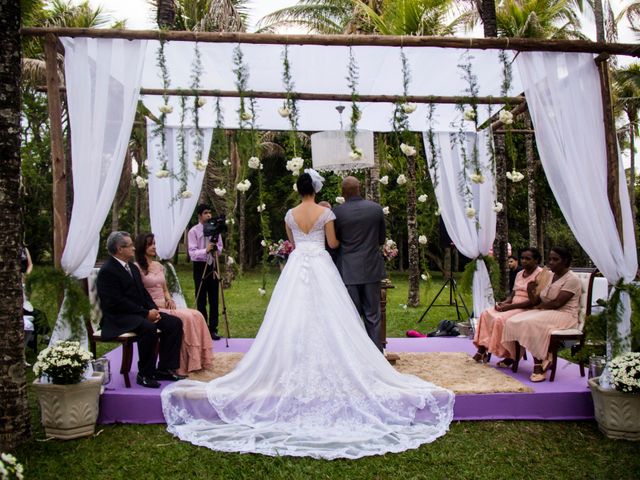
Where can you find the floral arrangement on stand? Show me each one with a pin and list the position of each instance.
(389, 250)
(10, 468)
(625, 372)
(63, 363)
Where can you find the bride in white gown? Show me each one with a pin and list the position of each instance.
(313, 383)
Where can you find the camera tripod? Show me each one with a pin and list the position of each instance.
(454, 295)
(215, 272)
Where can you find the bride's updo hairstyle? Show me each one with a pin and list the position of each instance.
(304, 184)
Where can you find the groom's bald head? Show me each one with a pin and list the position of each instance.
(350, 187)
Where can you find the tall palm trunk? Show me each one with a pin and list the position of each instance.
(598, 13)
(633, 118)
(165, 13)
(413, 296)
(489, 22)
(14, 411)
(532, 165)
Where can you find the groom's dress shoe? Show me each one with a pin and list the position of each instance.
(147, 381)
(169, 375)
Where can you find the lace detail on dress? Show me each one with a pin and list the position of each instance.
(316, 234)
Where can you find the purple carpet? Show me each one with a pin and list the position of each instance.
(567, 398)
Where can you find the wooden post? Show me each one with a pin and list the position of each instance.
(613, 179)
(57, 149)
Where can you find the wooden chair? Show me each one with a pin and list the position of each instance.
(560, 337)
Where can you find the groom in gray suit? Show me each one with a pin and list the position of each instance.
(361, 230)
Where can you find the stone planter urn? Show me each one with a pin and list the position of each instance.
(617, 413)
(69, 411)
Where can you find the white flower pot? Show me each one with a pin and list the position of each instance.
(69, 411)
(617, 413)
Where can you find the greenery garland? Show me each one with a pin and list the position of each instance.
(507, 119)
(159, 130)
(54, 283)
(466, 279)
(352, 80)
(290, 107)
(433, 149)
(171, 277)
(196, 74)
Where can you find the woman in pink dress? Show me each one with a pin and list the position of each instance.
(556, 307)
(488, 334)
(196, 351)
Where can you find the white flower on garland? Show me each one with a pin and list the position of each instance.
(384, 180)
(262, 291)
(340, 200)
(385, 210)
(263, 243)
(409, 107)
(294, 165)
(246, 115)
(9, 466)
(221, 192)
(244, 185)
(401, 180)
(470, 212)
(284, 112)
(408, 150)
(515, 176)
(202, 102)
(625, 372)
(506, 117)
(469, 114)
(438, 212)
(295, 187)
(225, 162)
(186, 194)
(254, 162)
(422, 198)
(230, 261)
(424, 277)
(200, 165)
(165, 108)
(422, 239)
(356, 154)
(261, 208)
(230, 221)
(477, 177)
(141, 182)
(497, 207)
(162, 173)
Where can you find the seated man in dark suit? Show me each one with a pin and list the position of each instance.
(127, 307)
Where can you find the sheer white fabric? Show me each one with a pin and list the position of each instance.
(103, 82)
(313, 384)
(456, 192)
(563, 94)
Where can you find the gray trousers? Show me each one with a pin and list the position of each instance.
(366, 298)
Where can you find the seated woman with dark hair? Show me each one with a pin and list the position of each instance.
(555, 307)
(488, 334)
(196, 351)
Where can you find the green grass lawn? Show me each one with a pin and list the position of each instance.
(489, 450)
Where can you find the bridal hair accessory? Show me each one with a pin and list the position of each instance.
(316, 179)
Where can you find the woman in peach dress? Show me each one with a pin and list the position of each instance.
(488, 334)
(196, 351)
(556, 307)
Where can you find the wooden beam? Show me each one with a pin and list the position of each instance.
(516, 44)
(57, 148)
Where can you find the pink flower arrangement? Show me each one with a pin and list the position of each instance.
(389, 250)
(281, 249)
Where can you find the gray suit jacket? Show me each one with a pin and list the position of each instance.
(361, 230)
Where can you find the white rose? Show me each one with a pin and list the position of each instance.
(263, 243)
(246, 116)
(186, 194)
(200, 165)
(340, 200)
(438, 212)
(385, 210)
(422, 239)
(409, 107)
(497, 207)
(470, 212)
(262, 291)
(225, 162)
(244, 185)
(384, 180)
(220, 191)
(294, 165)
(477, 178)
(401, 180)
(424, 277)
(284, 112)
(408, 150)
(254, 162)
(230, 261)
(141, 182)
(422, 198)
(469, 114)
(202, 102)
(515, 176)
(165, 108)
(506, 117)
(230, 221)
(356, 154)
(261, 208)
(295, 187)
(162, 173)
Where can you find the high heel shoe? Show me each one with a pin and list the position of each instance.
(481, 356)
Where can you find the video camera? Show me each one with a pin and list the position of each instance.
(215, 227)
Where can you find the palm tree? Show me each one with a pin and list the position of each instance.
(538, 19)
(14, 410)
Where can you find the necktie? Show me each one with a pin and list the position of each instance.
(128, 269)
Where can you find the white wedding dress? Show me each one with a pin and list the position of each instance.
(313, 383)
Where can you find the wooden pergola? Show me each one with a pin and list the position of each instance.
(51, 48)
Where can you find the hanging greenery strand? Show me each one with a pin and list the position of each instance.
(506, 117)
(165, 109)
(352, 81)
(290, 108)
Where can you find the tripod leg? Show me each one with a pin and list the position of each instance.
(432, 302)
(224, 304)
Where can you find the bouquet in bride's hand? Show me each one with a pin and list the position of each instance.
(280, 251)
(389, 250)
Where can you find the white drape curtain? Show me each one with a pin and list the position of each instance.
(169, 212)
(103, 79)
(563, 94)
(456, 192)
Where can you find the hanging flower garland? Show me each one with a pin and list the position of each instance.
(165, 109)
(352, 81)
(289, 109)
(506, 117)
(198, 102)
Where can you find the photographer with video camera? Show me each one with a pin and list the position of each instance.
(203, 239)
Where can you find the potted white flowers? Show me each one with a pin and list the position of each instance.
(69, 404)
(10, 468)
(617, 410)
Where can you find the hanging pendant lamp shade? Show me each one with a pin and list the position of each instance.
(330, 151)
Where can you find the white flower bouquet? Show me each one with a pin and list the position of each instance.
(10, 468)
(625, 372)
(64, 363)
